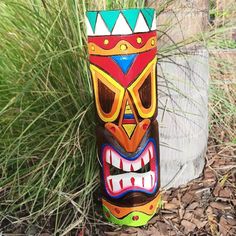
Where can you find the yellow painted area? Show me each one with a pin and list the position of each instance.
(106, 41)
(123, 47)
(139, 40)
(134, 88)
(129, 128)
(128, 109)
(120, 47)
(119, 91)
(147, 208)
(153, 42)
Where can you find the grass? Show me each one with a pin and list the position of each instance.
(222, 99)
(222, 89)
(47, 142)
(49, 170)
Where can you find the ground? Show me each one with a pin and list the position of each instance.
(205, 206)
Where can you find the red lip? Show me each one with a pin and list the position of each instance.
(129, 179)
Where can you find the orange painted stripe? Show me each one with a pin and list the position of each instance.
(122, 47)
(112, 40)
(119, 212)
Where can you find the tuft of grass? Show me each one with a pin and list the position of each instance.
(49, 169)
(222, 89)
(47, 143)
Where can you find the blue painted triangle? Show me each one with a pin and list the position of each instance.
(124, 61)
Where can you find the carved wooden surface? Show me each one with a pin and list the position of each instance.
(122, 45)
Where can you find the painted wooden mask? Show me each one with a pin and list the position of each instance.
(122, 46)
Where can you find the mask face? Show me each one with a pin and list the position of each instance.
(122, 47)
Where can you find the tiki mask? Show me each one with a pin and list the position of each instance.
(122, 47)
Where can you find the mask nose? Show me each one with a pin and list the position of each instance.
(130, 131)
(128, 121)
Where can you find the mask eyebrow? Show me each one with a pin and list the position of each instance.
(110, 86)
(144, 110)
(145, 92)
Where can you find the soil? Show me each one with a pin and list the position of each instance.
(205, 206)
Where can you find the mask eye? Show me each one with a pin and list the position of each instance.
(106, 97)
(145, 92)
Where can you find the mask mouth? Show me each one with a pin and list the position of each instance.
(130, 174)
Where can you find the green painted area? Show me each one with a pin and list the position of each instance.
(148, 14)
(140, 218)
(131, 16)
(92, 17)
(110, 18)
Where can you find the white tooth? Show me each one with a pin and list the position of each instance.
(108, 156)
(146, 157)
(138, 181)
(126, 165)
(153, 178)
(116, 184)
(147, 180)
(126, 181)
(151, 151)
(115, 159)
(137, 164)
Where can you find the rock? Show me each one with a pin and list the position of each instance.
(187, 198)
(154, 219)
(200, 224)
(193, 206)
(162, 228)
(188, 215)
(226, 193)
(231, 221)
(182, 156)
(209, 174)
(199, 212)
(188, 226)
(181, 213)
(224, 227)
(169, 216)
(170, 206)
(220, 206)
(217, 190)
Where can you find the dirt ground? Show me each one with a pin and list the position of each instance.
(205, 206)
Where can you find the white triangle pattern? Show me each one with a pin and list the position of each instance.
(121, 27)
(89, 28)
(101, 28)
(154, 23)
(141, 25)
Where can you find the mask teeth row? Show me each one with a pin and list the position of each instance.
(117, 183)
(114, 159)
